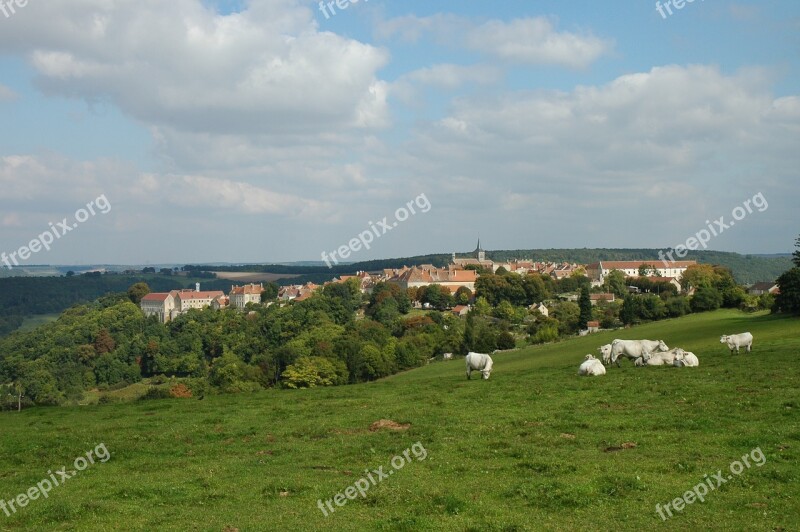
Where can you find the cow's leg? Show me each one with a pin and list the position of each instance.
(469, 372)
(749, 346)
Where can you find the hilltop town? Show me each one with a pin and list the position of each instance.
(458, 277)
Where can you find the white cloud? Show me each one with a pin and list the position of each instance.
(535, 41)
(449, 76)
(179, 65)
(529, 41)
(645, 155)
(214, 195)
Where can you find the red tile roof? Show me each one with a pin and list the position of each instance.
(156, 296)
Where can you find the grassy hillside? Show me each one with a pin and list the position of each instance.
(533, 448)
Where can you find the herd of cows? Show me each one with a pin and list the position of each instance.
(641, 352)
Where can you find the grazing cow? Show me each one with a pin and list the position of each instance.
(479, 362)
(447, 356)
(605, 350)
(735, 341)
(591, 367)
(687, 359)
(664, 358)
(634, 349)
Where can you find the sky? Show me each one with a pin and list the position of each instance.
(192, 131)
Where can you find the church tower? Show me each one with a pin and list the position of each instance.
(480, 254)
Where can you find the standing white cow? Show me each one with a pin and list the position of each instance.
(479, 362)
(447, 356)
(591, 367)
(735, 341)
(605, 350)
(634, 349)
(686, 359)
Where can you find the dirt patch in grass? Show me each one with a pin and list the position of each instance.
(615, 448)
(388, 424)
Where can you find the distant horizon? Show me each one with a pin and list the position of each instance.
(322, 263)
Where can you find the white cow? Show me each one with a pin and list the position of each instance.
(605, 350)
(447, 356)
(479, 362)
(664, 358)
(591, 367)
(687, 359)
(735, 341)
(634, 349)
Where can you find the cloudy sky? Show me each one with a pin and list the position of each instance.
(273, 130)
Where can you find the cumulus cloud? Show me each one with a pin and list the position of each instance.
(660, 145)
(449, 76)
(529, 41)
(220, 195)
(264, 70)
(536, 41)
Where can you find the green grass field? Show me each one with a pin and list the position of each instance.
(534, 448)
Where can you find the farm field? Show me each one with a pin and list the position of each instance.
(533, 448)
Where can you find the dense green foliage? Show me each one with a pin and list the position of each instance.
(789, 283)
(534, 448)
(27, 296)
(315, 342)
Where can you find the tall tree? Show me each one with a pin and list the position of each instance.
(796, 254)
(137, 291)
(585, 303)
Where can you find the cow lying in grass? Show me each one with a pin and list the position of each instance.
(591, 367)
(634, 349)
(663, 358)
(687, 359)
(479, 362)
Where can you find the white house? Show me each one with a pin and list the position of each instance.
(161, 304)
(598, 271)
(240, 296)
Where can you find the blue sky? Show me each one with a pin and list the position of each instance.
(263, 131)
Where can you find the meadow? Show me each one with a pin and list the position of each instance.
(533, 448)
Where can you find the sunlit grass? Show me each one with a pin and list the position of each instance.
(535, 447)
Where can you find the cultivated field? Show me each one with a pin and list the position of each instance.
(254, 277)
(533, 448)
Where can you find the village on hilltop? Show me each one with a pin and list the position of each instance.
(462, 272)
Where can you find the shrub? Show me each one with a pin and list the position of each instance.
(155, 393)
(505, 340)
(180, 391)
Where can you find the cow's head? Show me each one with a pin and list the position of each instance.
(723, 339)
(589, 357)
(605, 350)
(486, 374)
(662, 346)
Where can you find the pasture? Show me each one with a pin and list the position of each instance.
(533, 448)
